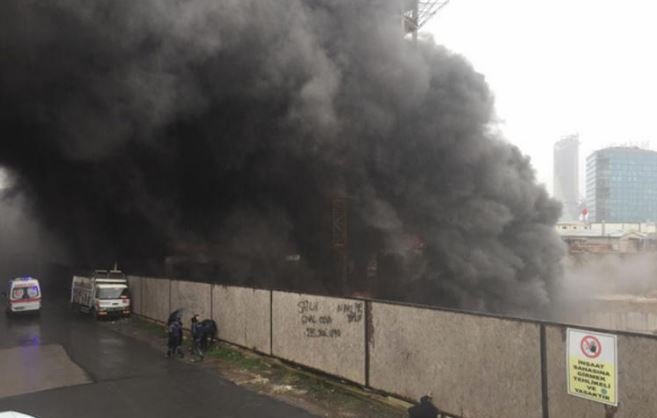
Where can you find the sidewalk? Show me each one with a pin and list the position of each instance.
(320, 395)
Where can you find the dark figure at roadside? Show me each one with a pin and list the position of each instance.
(177, 314)
(425, 409)
(175, 338)
(208, 333)
(197, 335)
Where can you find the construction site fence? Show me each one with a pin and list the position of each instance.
(475, 365)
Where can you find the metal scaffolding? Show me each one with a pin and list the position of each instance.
(340, 239)
(418, 12)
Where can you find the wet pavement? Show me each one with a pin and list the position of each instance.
(37, 367)
(63, 365)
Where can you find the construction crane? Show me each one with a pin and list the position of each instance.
(417, 13)
(340, 238)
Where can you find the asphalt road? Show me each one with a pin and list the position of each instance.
(63, 365)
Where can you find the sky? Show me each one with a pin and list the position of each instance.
(561, 67)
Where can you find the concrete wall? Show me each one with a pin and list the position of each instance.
(637, 379)
(320, 332)
(155, 299)
(135, 283)
(194, 298)
(641, 322)
(475, 366)
(620, 312)
(243, 316)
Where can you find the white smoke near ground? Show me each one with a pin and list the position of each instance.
(590, 280)
(632, 274)
(4, 179)
(24, 244)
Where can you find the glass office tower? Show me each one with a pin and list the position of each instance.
(621, 185)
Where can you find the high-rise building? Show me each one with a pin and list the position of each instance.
(621, 185)
(566, 176)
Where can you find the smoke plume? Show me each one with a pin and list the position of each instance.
(596, 286)
(226, 129)
(609, 275)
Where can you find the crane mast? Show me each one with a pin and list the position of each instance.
(417, 13)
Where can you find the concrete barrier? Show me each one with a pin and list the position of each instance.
(476, 366)
(135, 283)
(194, 298)
(243, 316)
(620, 312)
(637, 379)
(324, 333)
(155, 298)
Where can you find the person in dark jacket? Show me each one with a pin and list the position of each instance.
(425, 409)
(197, 335)
(175, 338)
(195, 321)
(209, 333)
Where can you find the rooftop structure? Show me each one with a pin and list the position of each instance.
(603, 238)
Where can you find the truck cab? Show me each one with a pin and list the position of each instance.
(104, 294)
(23, 295)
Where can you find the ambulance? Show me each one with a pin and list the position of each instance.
(23, 295)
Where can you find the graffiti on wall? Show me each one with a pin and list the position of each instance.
(324, 321)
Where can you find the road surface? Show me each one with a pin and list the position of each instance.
(63, 365)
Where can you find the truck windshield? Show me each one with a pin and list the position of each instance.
(111, 292)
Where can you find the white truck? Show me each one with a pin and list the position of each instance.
(104, 294)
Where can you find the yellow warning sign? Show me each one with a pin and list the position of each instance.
(592, 372)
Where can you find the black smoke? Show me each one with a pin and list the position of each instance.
(222, 132)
